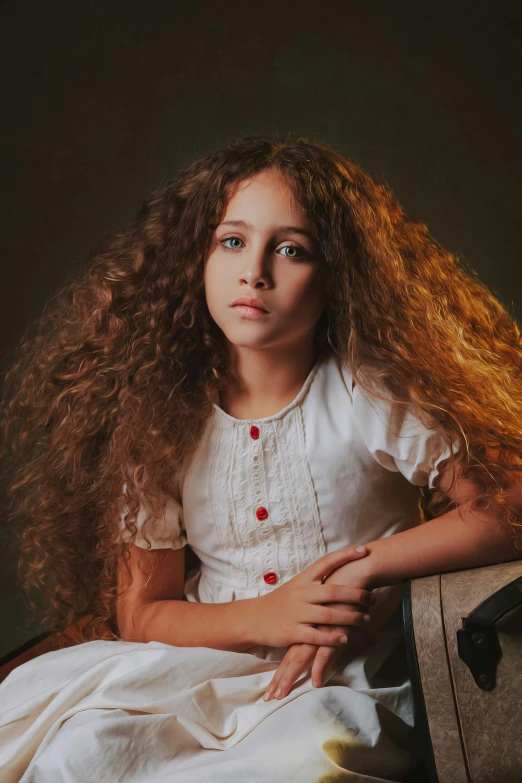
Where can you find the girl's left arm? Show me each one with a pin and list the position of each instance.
(457, 540)
(460, 539)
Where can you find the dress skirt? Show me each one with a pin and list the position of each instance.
(137, 712)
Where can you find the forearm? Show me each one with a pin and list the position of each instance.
(455, 541)
(223, 626)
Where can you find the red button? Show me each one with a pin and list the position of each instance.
(261, 512)
(254, 432)
(270, 577)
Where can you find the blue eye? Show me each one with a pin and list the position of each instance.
(295, 250)
(297, 253)
(227, 239)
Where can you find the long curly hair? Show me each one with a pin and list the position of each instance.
(113, 383)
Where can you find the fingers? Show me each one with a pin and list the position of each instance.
(296, 660)
(310, 635)
(334, 593)
(330, 562)
(323, 657)
(342, 615)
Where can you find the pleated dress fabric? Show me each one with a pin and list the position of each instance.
(259, 502)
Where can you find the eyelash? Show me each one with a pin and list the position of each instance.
(303, 257)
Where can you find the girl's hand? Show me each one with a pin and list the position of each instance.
(288, 614)
(298, 659)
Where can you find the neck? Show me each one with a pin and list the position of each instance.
(266, 380)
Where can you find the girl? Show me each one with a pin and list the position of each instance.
(273, 366)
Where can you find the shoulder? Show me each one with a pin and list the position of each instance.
(337, 376)
(330, 393)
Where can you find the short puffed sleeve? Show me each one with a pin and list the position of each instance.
(165, 532)
(398, 440)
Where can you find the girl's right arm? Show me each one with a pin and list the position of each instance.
(152, 608)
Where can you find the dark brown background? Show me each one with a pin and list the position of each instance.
(103, 100)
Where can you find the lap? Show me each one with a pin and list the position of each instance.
(317, 737)
(142, 712)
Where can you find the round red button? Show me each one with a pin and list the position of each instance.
(270, 577)
(261, 512)
(254, 432)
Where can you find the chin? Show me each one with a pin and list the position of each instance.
(244, 342)
(246, 337)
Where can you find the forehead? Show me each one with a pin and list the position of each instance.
(267, 191)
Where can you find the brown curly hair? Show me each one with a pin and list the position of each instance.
(113, 383)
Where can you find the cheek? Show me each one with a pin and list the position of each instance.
(214, 282)
(309, 290)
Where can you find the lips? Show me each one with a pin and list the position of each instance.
(257, 303)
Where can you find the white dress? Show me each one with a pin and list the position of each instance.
(334, 468)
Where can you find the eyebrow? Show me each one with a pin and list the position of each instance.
(250, 227)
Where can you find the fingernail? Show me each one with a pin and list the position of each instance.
(266, 697)
(343, 639)
(367, 618)
(360, 549)
(278, 693)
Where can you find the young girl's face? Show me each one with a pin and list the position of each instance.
(263, 249)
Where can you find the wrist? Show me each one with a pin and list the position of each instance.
(358, 572)
(245, 619)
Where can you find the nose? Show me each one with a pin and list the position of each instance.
(256, 267)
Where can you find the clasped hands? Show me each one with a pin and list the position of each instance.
(339, 601)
